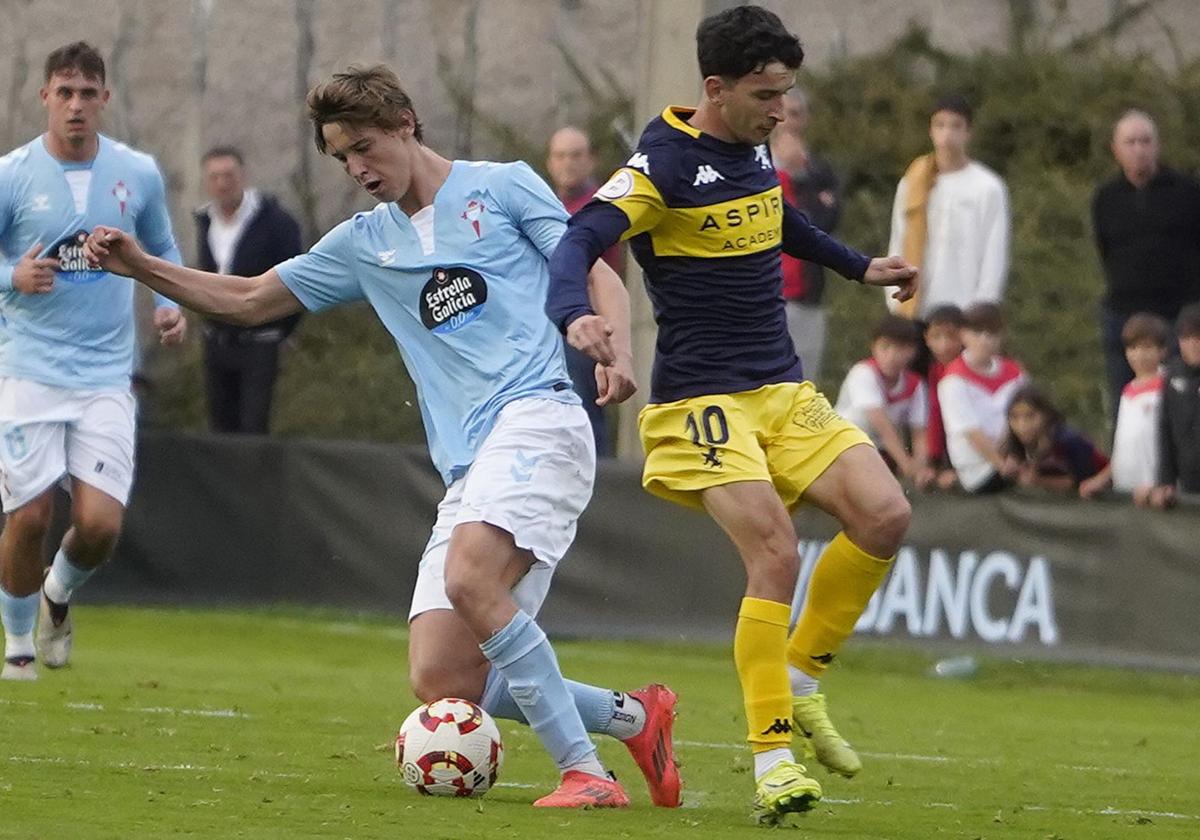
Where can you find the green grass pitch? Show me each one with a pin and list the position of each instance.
(279, 725)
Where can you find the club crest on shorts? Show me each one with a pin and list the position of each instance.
(453, 298)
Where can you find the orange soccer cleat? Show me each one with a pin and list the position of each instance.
(583, 790)
(653, 749)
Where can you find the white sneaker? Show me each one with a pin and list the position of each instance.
(19, 668)
(53, 639)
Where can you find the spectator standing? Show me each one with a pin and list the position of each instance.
(951, 218)
(943, 338)
(974, 395)
(571, 164)
(1134, 466)
(1146, 222)
(810, 185)
(1179, 424)
(885, 399)
(244, 232)
(1042, 450)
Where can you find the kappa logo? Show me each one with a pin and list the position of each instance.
(779, 727)
(41, 203)
(763, 156)
(705, 174)
(639, 161)
(387, 257)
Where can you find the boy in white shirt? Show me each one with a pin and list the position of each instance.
(888, 401)
(974, 394)
(1134, 465)
(951, 218)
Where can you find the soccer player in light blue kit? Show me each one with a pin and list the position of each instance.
(454, 262)
(66, 351)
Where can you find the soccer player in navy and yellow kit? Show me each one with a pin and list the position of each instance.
(732, 427)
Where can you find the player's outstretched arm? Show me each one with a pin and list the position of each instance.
(238, 300)
(614, 379)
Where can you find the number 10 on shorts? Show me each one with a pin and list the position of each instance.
(710, 430)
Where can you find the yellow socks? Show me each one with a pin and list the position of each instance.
(841, 585)
(759, 645)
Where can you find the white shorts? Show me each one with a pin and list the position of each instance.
(48, 433)
(532, 477)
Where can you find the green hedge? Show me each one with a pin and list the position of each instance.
(1043, 122)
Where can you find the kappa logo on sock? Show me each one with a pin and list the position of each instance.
(779, 727)
(624, 717)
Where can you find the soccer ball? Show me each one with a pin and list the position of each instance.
(449, 747)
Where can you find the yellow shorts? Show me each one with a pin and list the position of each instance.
(786, 434)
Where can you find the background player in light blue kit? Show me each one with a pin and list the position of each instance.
(454, 262)
(66, 350)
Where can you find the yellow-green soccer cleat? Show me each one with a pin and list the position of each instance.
(821, 741)
(784, 789)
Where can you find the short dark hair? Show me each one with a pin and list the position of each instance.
(983, 317)
(1146, 327)
(955, 103)
(896, 329)
(223, 152)
(362, 97)
(745, 39)
(1187, 325)
(80, 57)
(947, 313)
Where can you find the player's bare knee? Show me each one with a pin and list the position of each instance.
(888, 521)
(95, 536)
(465, 586)
(31, 520)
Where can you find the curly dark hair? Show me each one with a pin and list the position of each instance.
(745, 39)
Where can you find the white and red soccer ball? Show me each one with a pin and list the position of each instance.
(449, 747)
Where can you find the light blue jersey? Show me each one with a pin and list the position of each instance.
(80, 335)
(462, 293)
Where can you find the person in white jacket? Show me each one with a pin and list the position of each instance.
(951, 218)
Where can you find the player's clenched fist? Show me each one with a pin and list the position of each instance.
(33, 275)
(590, 334)
(113, 250)
(171, 325)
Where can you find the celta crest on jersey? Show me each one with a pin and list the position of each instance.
(474, 212)
(72, 264)
(122, 194)
(452, 298)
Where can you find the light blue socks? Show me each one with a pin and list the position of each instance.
(522, 655)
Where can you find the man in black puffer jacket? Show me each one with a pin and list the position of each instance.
(243, 232)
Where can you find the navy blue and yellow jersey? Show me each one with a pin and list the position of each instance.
(706, 221)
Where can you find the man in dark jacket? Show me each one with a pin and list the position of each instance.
(1147, 226)
(243, 232)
